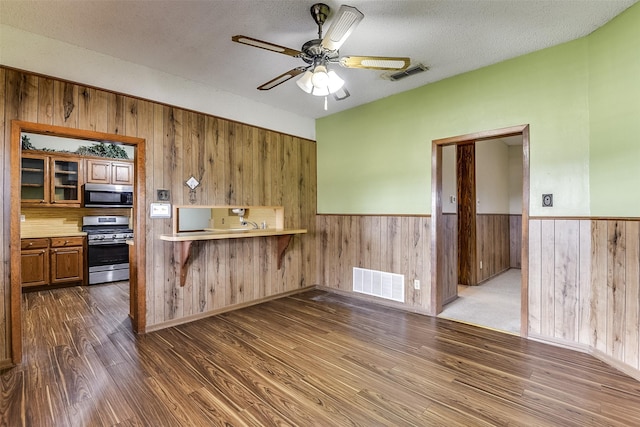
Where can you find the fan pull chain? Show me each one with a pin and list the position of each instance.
(325, 103)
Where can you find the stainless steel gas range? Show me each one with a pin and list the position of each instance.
(107, 250)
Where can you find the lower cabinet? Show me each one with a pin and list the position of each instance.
(52, 261)
(35, 262)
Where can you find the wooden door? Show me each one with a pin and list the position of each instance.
(67, 264)
(98, 171)
(466, 174)
(35, 267)
(66, 179)
(122, 173)
(34, 182)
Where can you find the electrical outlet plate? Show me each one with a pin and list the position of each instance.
(416, 284)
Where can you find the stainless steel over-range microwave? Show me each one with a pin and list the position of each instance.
(108, 196)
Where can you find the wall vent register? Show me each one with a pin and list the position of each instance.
(379, 283)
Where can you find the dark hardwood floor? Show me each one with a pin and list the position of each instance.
(315, 359)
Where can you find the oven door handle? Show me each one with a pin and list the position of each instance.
(107, 242)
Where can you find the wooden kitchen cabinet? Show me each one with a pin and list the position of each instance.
(34, 262)
(34, 170)
(50, 180)
(67, 260)
(52, 261)
(100, 171)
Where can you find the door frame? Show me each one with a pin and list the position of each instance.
(138, 285)
(437, 230)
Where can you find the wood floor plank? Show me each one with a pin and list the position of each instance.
(314, 358)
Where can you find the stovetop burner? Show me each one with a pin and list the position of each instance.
(103, 229)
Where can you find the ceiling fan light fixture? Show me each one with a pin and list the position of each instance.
(304, 82)
(320, 91)
(320, 82)
(320, 78)
(335, 82)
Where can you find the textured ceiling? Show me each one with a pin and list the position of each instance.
(192, 38)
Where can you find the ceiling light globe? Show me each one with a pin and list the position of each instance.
(304, 82)
(335, 82)
(320, 77)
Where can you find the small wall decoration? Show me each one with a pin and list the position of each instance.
(192, 183)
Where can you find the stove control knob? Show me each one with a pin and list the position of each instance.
(98, 237)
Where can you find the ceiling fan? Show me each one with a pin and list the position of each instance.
(320, 53)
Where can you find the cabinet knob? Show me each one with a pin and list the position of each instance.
(66, 242)
(30, 243)
(42, 201)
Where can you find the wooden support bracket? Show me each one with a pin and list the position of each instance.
(184, 253)
(283, 244)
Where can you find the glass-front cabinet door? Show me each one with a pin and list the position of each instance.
(50, 180)
(65, 180)
(34, 186)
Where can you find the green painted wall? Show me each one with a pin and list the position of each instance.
(614, 98)
(376, 159)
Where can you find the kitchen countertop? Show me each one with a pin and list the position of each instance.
(227, 234)
(40, 235)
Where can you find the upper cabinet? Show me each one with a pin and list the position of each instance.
(100, 171)
(51, 180)
(34, 186)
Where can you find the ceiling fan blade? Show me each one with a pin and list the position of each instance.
(282, 78)
(375, 62)
(342, 25)
(266, 45)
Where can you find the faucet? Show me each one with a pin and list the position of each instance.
(240, 212)
(244, 222)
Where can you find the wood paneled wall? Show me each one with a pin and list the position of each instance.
(584, 284)
(236, 163)
(515, 241)
(492, 245)
(450, 258)
(394, 244)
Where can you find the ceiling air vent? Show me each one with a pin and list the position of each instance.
(408, 72)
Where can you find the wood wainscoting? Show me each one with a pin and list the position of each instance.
(394, 244)
(492, 245)
(515, 241)
(584, 274)
(584, 285)
(237, 164)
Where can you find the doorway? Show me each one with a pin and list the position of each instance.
(445, 244)
(137, 278)
(482, 185)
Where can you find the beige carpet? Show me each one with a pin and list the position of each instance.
(494, 304)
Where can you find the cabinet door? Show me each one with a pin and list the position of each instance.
(67, 265)
(98, 171)
(34, 183)
(34, 266)
(122, 173)
(65, 180)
